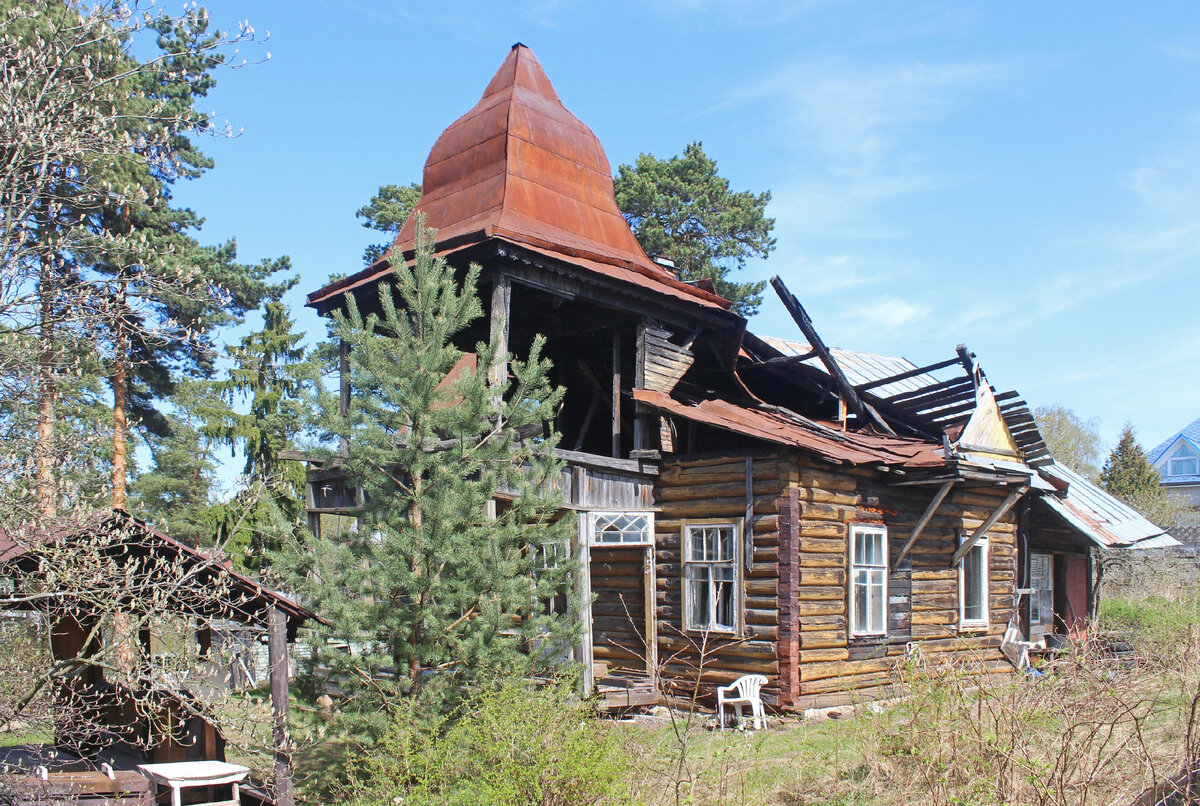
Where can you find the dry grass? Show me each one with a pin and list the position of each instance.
(1090, 729)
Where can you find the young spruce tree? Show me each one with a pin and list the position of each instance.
(460, 542)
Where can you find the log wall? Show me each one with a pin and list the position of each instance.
(795, 593)
(708, 489)
(836, 668)
(619, 607)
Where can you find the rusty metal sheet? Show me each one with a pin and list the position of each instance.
(1108, 522)
(787, 428)
(520, 166)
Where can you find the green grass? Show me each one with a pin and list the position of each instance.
(26, 737)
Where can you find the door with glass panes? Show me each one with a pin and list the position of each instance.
(619, 601)
(1041, 600)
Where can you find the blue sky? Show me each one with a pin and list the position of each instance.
(1022, 178)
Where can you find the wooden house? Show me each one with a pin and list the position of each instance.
(745, 505)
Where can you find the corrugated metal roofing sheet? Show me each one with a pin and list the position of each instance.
(783, 427)
(1108, 522)
(520, 166)
(860, 367)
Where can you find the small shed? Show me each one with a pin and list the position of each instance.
(97, 582)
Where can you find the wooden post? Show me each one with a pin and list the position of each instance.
(501, 301)
(616, 394)
(748, 523)
(787, 647)
(277, 652)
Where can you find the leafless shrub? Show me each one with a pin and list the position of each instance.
(1089, 729)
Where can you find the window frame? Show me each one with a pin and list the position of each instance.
(974, 625)
(594, 517)
(736, 560)
(857, 530)
(1189, 454)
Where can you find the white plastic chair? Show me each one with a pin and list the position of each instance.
(1015, 647)
(746, 692)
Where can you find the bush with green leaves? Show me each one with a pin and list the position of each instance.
(504, 745)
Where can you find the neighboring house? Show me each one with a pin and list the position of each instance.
(745, 504)
(1177, 460)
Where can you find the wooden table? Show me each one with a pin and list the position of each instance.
(183, 775)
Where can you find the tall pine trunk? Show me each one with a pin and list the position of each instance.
(416, 519)
(120, 382)
(45, 449)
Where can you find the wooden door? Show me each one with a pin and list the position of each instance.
(1041, 601)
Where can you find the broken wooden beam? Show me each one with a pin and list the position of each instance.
(800, 316)
(903, 376)
(978, 534)
(938, 497)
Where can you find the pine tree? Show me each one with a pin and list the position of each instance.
(1127, 472)
(682, 209)
(177, 491)
(460, 542)
(1129, 475)
(100, 116)
(269, 368)
(387, 211)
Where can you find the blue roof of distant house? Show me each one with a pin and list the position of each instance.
(1191, 433)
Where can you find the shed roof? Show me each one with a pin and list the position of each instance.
(520, 167)
(1106, 521)
(248, 599)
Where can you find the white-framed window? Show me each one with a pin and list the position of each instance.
(973, 586)
(621, 529)
(711, 577)
(1184, 461)
(868, 580)
(549, 557)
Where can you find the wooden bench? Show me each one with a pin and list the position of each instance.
(124, 788)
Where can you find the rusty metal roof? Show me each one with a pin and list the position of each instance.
(1106, 521)
(521, 167)
(783, 427)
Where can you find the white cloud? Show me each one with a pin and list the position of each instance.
(882, 317)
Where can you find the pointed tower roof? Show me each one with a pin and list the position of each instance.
(520, 167)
